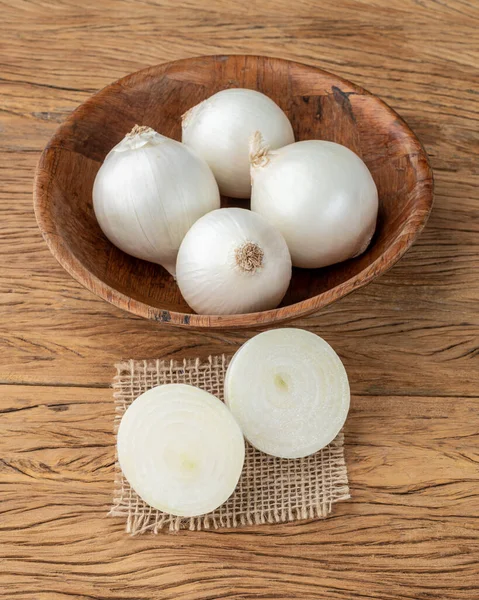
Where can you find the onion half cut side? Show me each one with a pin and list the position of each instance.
(180, 449)
(289, 392)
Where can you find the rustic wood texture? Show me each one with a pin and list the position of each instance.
(319, 105)
(409, 339)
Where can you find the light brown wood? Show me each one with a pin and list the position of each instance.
(320, 105)
(412, 521)
(409, 339)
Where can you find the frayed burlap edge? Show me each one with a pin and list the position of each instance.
(270, 490)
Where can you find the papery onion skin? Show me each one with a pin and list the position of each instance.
(289, 392)
(320, 195)
(180, 449)
(148, 192)
(219, 128)
(232, 261)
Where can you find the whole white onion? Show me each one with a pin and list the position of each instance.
(148, 192)
(319, 194)
(219, 128)
(232, 261)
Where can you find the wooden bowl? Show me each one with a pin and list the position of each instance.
(319, 104)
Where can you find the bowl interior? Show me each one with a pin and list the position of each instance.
(319, 105)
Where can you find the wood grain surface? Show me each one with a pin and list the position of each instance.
(409, 340)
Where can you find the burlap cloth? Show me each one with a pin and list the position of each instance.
(270, 490)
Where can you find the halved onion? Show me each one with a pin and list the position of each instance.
(180, 449)
(289, 392)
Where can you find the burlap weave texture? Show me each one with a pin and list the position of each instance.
(270, 490)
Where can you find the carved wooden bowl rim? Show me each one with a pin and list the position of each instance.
(80, 272)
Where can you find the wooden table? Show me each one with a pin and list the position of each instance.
(409, 340)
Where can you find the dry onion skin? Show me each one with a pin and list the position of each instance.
(289, 392)
(180, 449)
(319, 194)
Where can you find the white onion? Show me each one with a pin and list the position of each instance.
(288, 391)
(148, 192)
(233, 261)
(320, 195)
(180, 449)
(219, 128)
